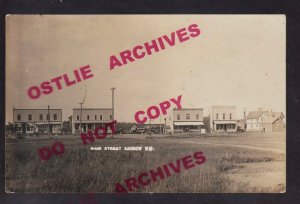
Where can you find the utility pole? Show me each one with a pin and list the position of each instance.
(165, 125)
(113, 107)
(160, 124)
(48, 117)
(80, 115)
(150, 128)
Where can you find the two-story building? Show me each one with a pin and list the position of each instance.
(222, 119)
(188, 120)
(254, 120)
(31, 121)
(90, 118)
(264, 121)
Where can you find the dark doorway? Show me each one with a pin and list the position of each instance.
(51, 128)
(23, 127)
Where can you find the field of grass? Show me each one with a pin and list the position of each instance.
(81, 170)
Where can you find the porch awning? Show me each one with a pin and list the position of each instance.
(51, 123)
(224, 122)
(92, 121)
(188, 123)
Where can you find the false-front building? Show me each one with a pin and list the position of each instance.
(30, 121)
(90, 118)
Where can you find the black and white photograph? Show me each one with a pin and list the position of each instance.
(145, 103)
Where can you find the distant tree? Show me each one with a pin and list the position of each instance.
(9, 127)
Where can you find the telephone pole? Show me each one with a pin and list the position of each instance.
(81, 103)
(113, 107)
(160, 124)
(165, 125)
(48, 117)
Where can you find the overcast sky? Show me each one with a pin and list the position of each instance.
(237, 60)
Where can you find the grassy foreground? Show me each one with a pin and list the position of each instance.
(82, 170)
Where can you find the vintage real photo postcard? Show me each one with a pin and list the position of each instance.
(145, 103)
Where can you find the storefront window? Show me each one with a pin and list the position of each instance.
(29, 128)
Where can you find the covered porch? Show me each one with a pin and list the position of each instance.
(188, 126)
(89, 126)
(224, 126)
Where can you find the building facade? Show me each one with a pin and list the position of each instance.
(223, 119)
(188, 120)
(254, 120)
(272, 124)
(265, 121)
(90, 119)
(30, 121)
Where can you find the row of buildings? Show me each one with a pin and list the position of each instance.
(41, 121)
(220, 119)
(224, 119)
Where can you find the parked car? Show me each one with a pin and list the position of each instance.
(140, 130)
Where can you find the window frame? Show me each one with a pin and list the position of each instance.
(188, 116)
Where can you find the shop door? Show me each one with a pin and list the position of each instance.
(23, 127)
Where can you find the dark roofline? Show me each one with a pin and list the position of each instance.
(37, 109)
(150, 124)
(93, 108)
(225, 120)
(188, 121)
(188, 109)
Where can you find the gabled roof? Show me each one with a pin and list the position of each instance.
(257, 114)
(254, 114)
(275, 114)
(269, 119)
